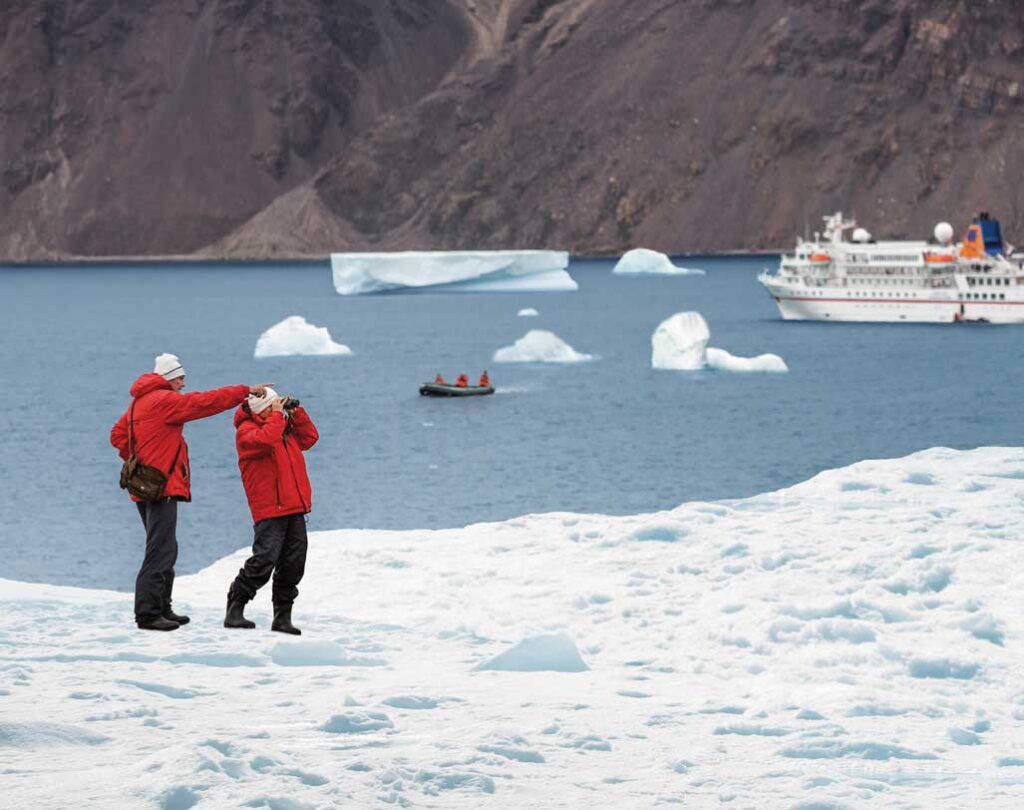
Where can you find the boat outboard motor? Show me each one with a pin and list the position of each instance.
(990, 233)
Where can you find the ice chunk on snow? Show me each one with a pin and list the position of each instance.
(642, 260)
(529, 312)
(679, 342)
(721, 360)
(540, 346)
(295, 336)
(552, 653)
(457, 271)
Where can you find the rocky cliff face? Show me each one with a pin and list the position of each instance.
(265, 127)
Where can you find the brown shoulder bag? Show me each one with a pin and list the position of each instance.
(141, 480)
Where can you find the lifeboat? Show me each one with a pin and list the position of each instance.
(939, 258)
(819, 258)
(445, 390)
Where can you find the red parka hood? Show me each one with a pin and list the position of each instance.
(242, 415)
(147, 383)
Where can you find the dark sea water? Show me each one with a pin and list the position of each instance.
(610, 436)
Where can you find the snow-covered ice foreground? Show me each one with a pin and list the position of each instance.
(454, 271)
(680, 343)
(540, 346)
(644, 261)
(851, 642)
(295, 336)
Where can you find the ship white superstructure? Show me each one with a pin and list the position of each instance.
(831, 278)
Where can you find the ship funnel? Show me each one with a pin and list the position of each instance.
(990, 233)
(943, 233)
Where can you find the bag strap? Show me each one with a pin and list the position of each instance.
(131, 439)
(131, 430)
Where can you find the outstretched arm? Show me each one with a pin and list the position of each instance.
(303, 428)
(200, 404)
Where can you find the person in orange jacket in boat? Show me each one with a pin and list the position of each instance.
(439, 380)
(485, 381)
(462, 382)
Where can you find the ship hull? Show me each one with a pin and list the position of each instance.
(891, 311)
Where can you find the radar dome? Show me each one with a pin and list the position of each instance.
(944, 233)
(861, 235)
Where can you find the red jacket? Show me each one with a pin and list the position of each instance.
(270, 458)
(160, 413)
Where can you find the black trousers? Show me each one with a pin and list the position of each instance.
(155, 581)
(278, 548)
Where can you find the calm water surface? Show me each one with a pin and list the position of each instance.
(611, 436)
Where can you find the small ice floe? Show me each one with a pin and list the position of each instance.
(295, 336)
(721, 360)
(641, 261)
(540, 346)
(549, 653)
(680, 343)
(529, 312)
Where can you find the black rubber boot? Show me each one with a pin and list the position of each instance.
(159, 623)
(170, 615)
(235, 616)
(283, 620)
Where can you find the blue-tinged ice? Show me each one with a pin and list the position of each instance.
(641, 261)
(453, 271)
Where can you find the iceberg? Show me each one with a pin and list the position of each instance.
(529, 312)
(540, 346)
(678, 343)
(453, 271)
(295, 336)
(643, 261)
(721, 360)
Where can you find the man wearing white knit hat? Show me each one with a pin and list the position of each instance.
(151, 431)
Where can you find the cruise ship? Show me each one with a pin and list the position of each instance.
(830, 278)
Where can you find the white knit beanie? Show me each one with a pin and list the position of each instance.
(168, 366)
(260, 404)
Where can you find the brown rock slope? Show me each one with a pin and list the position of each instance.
(159, 126)
(261, 128)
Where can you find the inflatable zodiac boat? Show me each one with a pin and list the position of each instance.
(438, 390)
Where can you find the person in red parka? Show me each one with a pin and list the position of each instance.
(272, 432)
(157, 417)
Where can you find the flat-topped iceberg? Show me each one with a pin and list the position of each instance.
(452, 271)
(640, 261)
(540, 346)
(296, 336)
(680, 343)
